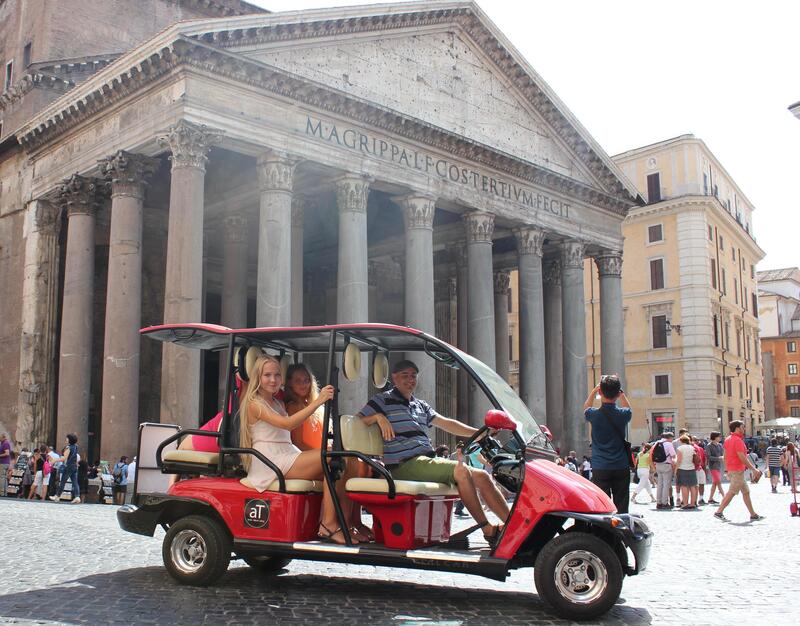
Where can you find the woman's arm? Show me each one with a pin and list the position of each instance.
(294, 420)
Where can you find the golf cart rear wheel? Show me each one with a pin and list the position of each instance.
(579, 575)
(266, 564)
(196, 550)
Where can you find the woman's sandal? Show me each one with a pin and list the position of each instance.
(329, 534)
(362, 533)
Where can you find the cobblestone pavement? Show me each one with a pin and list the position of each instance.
(71, 564)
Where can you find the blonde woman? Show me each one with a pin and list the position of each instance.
(266, 427)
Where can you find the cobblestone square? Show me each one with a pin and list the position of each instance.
(73, 565)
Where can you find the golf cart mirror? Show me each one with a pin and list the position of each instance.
(546, 432)
(499, 420)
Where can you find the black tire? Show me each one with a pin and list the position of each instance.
(266, 564)
(585, 593)
(196, 550)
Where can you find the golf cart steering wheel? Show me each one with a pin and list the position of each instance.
(472, 444)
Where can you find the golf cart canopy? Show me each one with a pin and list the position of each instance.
(369, 338)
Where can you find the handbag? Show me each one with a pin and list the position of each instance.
(625, 443)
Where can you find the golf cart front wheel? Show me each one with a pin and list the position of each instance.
(578, 575)
(196, 550)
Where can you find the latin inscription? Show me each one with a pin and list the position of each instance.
(413, 159)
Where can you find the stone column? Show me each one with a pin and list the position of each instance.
(234, 283)
(532, 361)
(462, 299)
(274, 287)
(418, 211)
(502, 284)
(299, 205)
(120, 402)
(39, 315)
(180, 377)
(612, 326)
(480, 317)
(573, 317)
(80, 196)
(352, 291)
(553, 350)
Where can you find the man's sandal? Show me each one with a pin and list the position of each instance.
(495, 536)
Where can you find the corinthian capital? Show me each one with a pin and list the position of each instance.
(235, 227)
(352, 193)
(529, 240)
(479, 226)
(128, 173)
(189, 144)
(609, 264)
(418, 210)
(502, 283)
(572, 254)
(276, 171)
(551, 272)
(81, 195)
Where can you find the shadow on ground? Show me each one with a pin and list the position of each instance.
(149, 596)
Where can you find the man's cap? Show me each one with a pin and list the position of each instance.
(404, 365)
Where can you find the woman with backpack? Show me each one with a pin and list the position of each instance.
(120, 474)
(69, 470)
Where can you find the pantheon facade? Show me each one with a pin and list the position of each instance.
(379, 163)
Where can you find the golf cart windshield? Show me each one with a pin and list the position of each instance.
(509, 401)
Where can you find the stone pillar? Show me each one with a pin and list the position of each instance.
(39, 315)
(532, 361)
(234, 283)
(502, 283)
(352, 291)
(573, 318)
(612, 325)
(418, 211)
(180, 369)
(274, 287)
(462, 299)
(80, 196)
(553, 350)
(480, 317)
(120, 402)
(299, 205)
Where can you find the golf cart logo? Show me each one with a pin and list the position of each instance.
(256, 513)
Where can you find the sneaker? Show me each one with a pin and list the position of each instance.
(75, 501)
(54, 498)
(713, 502)
(756, 517)
(719, 515)
(774, 490)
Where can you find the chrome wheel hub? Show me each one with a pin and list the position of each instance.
(188, 551)
(581, 577)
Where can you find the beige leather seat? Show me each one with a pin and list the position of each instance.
(358, 437)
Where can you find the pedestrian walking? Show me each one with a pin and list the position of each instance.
(120, 474)
(774, 462)
(700, 470)
(715, 454)
(663, 456)
(686, 475)
(643, 471)
(610, 451)
(69, 470)
(737, 460)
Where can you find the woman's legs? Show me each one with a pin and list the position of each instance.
(684, 496)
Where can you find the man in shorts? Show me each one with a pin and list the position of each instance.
(737, 460)
(774, 456)
(409, 455)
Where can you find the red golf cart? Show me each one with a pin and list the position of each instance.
(560, 524)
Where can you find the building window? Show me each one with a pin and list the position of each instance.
(655, 233)
(791, 346)
(730, 415)
(656, 274)
(724, 283)
(758, 395)
(511, 347)
(654, 187)
(792, 369)
(710, 232)
(26, 55)
(510, 303)
(9, 76)
(794, 411)
(793, 392)
(733, 253)
(714, 273)
(753, 272)
(755, 350)
(719, 385)
(728, 386)
(716, 332)
(736, 290)
(738, 342)
(741, 390)
(744, 299)
(661, 384)
(659, 331)
(663, 422)
(754, 300)
(727, 335)
(721, 243)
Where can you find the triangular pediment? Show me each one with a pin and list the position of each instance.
(438, 77)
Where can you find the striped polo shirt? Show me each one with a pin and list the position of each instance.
(410, 420)
(774, 454)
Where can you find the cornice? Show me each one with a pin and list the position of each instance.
(123, 78)
(30, 81)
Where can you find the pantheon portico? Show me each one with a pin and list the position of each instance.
(288, 169)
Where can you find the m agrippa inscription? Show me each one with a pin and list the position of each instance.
(377, 147)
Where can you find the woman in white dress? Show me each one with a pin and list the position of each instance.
(266, 427)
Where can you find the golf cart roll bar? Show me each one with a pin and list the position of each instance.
(222, 451)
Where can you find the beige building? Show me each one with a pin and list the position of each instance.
(690, 295)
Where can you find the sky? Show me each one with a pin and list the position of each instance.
(635, 72)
